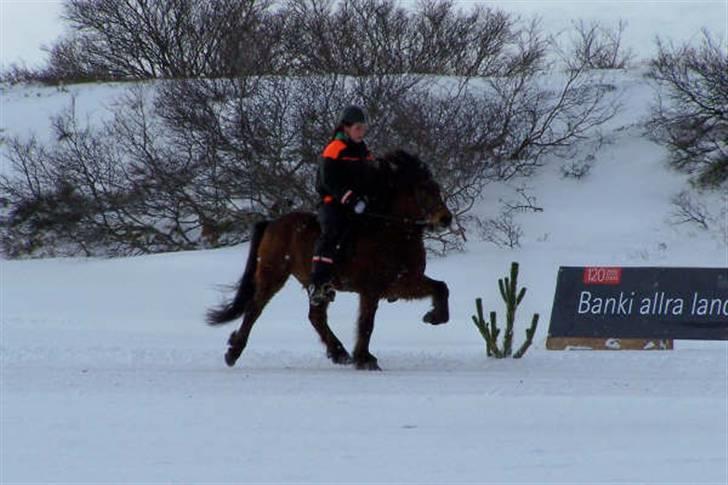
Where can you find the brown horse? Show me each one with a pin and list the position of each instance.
(385, 258)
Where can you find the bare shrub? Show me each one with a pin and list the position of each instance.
(64, 201)
(503, 231)
(690, 114)
(115, 190)
(595, 46)
(169, 175)
(17, 73)
(67, 63)
(445, 41)
(168, 38)
(688, 210)
(181, 39)
(577, 170)
(380, 37)
(704, 210)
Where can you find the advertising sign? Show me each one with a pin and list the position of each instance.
(641, 303)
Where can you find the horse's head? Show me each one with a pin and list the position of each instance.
(414, 194)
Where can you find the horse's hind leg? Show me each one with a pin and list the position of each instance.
(367, 309)
(239, 338)
(335, 350)
(264, 291)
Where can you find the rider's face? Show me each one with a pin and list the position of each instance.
(356, 132)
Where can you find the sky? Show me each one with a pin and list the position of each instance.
(27, 25)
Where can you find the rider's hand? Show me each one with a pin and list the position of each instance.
(360, 206)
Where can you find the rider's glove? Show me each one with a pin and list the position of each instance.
(360, 206)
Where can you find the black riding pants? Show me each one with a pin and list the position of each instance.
(335, 222)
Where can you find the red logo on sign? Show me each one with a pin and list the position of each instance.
(602, 276)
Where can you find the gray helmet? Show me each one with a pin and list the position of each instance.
(352, 114)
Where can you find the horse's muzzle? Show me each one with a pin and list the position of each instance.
(446, 221)
(441, 221)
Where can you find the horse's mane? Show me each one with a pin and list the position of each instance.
(397, 171)
(404, 169)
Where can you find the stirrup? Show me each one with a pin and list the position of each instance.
(322, 294)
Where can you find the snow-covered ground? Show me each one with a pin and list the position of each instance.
(108, 373)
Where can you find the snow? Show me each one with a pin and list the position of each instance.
(109, 374)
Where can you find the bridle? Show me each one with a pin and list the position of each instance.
(405, 221)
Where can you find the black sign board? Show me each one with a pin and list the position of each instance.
(641, 303)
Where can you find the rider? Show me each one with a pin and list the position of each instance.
(344, 181)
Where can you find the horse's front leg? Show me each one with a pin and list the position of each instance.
(334, 348)
(423, 287)
(363, 359)
(440, 312)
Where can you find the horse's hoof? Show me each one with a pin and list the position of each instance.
(434, 318)
(231, 356)
(341, 357)
(368, 364)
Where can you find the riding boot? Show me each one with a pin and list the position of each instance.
(320, 290)
(334, 224)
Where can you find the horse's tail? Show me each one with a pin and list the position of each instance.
(246, 288)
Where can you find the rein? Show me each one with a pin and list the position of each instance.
(398, 220)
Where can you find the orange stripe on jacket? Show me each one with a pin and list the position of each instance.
(333, 149)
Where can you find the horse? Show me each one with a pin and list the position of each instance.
(385, 258)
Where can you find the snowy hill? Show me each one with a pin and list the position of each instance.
(110, 375)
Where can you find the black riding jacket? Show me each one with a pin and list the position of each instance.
(345, 171)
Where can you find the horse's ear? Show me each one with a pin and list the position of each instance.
(382, 164)
(386, 164)
(424, 168)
